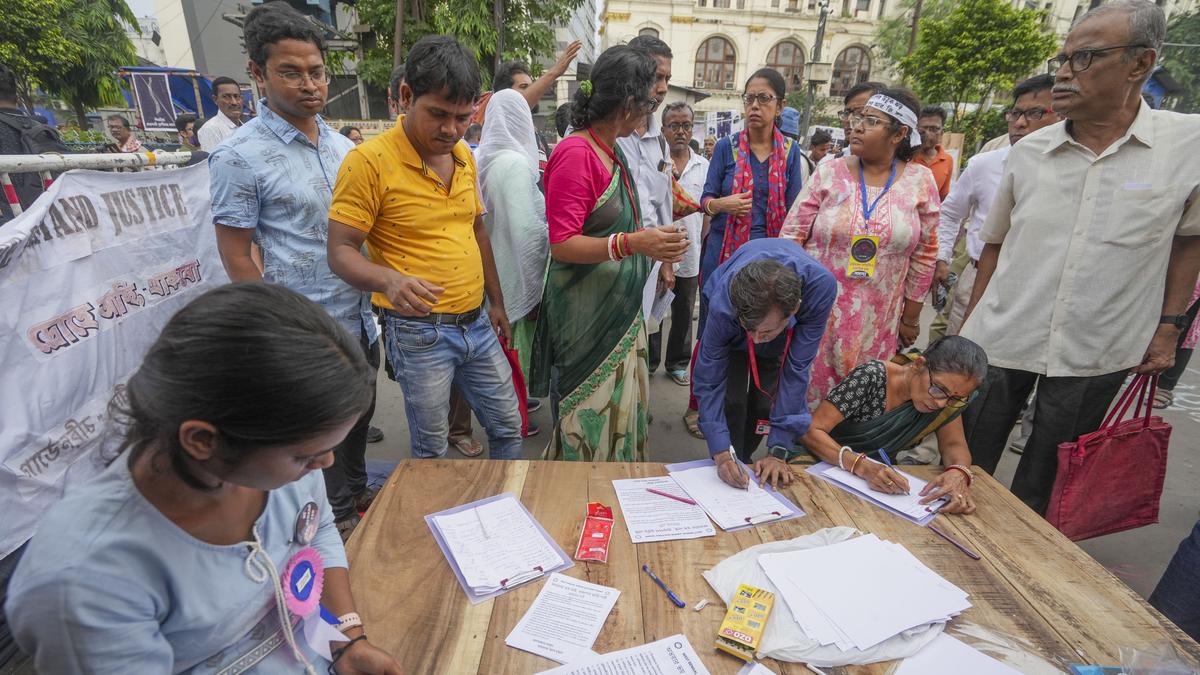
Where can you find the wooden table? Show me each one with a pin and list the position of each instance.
(1033, 584)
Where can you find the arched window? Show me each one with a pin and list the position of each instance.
(851, 67)
(788, 58)
(648, 31)
(715, 62)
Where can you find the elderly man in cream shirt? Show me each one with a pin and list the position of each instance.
(1091, 248)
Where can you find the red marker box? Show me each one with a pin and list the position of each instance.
(596, 533)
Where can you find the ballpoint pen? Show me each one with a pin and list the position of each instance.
(670, 594)
(741, 471)
(887, 460)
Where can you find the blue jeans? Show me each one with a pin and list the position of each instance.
(428, 358)
(1176, 596)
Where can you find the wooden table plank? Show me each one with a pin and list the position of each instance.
(624, 626)
(1092, 609)
(410, 601)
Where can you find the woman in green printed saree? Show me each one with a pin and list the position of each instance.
(590, 337)
(894, 406)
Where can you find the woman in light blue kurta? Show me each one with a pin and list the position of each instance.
(168, 562)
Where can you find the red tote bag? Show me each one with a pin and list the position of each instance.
(1111, 480)
(518, 379)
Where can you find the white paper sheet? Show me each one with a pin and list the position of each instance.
(669, 656)
(662, 303)
(949, 656)
(651, 517)
(564, 620)
(892, 593)
(755, 668)
(494, 543)
(908, 504)
(728, 506)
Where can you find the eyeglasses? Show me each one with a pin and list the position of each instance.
(677, 126)
(295, 79)
(866, 121)
(761, 99)
(1032, 114)
(1081, 59)
(847, 113)
(930, 130)
(939, 392)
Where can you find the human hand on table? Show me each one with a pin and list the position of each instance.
(364, 658)
(731, 471)
(882, 478)
(774, 471)
(952, 484)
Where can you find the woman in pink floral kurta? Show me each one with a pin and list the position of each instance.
(866, 316)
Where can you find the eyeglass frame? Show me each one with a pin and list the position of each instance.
(678, 126)
(295, 78)
(939, 392)
(845, 113)
(861, 119)
(761, 99)
(1014, 114)
(1053, 65)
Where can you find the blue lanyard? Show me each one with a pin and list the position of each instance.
(862, 187)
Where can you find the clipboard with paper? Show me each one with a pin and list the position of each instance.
(731, 508)
(494, 545)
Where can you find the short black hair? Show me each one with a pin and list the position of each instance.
(774, 79)
(562, 119)
(820, 137)
(1032, 85)
(621, 80)
(861, 87)
(440, 62)
(503, 78)
(395, 81)
(905, 150)
(121, 118)
(473, 131)
(8, 84)
(933, 111)
(267, 24)
(183, 120)
(217, 82)
(345, 131)
(655, 46)
(676, 106)
(763, 285)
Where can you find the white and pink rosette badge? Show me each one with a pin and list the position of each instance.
(303, 581)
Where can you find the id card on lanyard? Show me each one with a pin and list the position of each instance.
(763, 427)
(864, 248)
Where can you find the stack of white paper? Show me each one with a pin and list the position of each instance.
(729, 507)
(496, 545)
(653, 517)
(860, 592)
(948, 656)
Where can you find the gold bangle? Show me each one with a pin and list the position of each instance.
(855, 464)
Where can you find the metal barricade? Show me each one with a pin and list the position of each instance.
(44, 165)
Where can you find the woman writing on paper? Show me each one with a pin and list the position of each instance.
(590, 327)
(882, 404)
(209, 531)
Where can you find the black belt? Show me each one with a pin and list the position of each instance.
(438, 319)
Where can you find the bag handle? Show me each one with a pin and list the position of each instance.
(1153, 380)
(1136, 388)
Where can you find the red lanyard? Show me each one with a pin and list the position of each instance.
(754, 364)
(637, 217)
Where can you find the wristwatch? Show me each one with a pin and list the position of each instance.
(1180, 321)
(780, 452)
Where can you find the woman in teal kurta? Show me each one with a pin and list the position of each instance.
(894, 406)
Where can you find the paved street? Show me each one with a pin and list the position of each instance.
(1138, 556)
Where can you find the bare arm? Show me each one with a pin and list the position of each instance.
(362, 656)
(656, 243)
(409, 296)
(983, 274)
(235, 245)
(540, 86)
(1182, 270)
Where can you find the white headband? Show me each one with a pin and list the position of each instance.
(901, 112)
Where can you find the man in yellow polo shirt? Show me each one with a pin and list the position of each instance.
(410, 194)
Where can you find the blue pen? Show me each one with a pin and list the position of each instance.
(887, 460)
(670, 594)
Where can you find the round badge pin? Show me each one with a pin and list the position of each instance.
(307, 523)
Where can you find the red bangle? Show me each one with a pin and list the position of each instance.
(965, 471)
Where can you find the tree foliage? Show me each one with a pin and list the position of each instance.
(527, 32)
(70, 48)
(1184, 62)
(892, 34)
(981, 47)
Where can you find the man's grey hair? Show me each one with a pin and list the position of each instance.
(959, 356)
(1147, 23)
(761, 286)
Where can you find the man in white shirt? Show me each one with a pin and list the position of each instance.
(976, 189)
(691, 170)
(228, 96)
(1091, 250)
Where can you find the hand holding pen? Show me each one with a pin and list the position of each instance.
(731, 470)
(884, 477)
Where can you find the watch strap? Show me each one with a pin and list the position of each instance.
(780, 452)
(1178, 320)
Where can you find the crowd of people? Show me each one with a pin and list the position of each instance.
(1077, 264)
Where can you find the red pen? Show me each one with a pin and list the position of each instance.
(675, 497)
